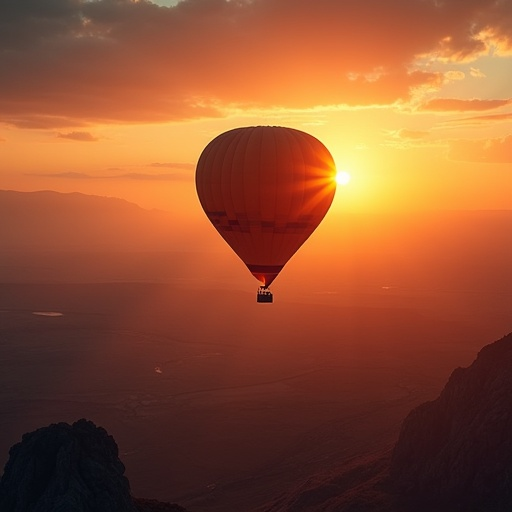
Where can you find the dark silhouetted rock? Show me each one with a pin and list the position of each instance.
(455, 453)
(63, 468)
(70, 468)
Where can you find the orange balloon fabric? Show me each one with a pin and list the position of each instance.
(265, 189)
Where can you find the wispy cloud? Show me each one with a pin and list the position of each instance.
(405, 138)
(488, 118)
(21, 118)
(454, 76)
(412, 134)
(173, 165)
(69, 175)
(493, 151)
(152, 177)
(124, 176)
(476, 73)
(78, 136)
(459, 105)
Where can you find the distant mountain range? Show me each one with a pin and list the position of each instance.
(454, 454)
(46, 220)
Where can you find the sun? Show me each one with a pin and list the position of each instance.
(342, 177)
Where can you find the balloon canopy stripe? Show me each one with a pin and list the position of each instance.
(242, 224)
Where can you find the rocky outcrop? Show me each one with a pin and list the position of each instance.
(455, 453)
(63, 468)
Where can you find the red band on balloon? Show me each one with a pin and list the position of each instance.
(265, 269)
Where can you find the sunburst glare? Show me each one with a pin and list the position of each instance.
(343, 178)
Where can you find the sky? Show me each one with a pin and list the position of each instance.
(119, 97)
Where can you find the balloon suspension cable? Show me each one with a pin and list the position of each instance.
(264, 294)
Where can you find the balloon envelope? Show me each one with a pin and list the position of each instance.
(265, 189)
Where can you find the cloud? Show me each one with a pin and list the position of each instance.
(67, 175)
(453, 104)
(495, 151)
(125, 176)
(482, 119)
(173, 165)
(29, 120)
(476, 73)
(412, 134)
(153, 177)
(405, 138)
(69, 63)
(455, 75)
(79, 136)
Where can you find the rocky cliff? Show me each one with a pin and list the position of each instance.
(62, 468)
(455, 453)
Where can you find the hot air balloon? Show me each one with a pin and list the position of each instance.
(265, 189)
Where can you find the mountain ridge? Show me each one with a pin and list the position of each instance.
(455, 452)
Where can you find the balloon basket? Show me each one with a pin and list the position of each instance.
(264, 295)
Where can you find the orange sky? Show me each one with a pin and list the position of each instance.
(119, 97)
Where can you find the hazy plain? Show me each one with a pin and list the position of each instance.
(217, 402)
